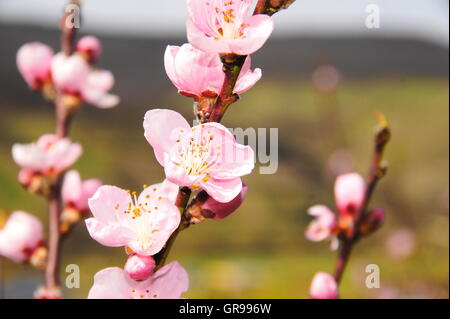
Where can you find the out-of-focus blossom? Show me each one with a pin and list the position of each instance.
(74, 77)
(44, 292)
(401, 243)
(75, 192)
(50, 155)
(141, 223)
(326, 78)
(75, 196)
(224, 26)
(20, 236)
(221, 210)
(89, 47)
(349, 192)
(199, 74)
(169, 282)
(323, 286)
(323, 225)
(205, 156)
(139, 267)
(33, 61)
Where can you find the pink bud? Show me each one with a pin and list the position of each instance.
(139, 267)
(90, 46)
(323, 286)
(349, 192)
(222, 210)
(33, 61)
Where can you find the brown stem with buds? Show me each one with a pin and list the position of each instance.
(376, 172)
(270, 7)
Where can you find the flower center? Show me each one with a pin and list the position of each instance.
(197, 155)
(227, 20)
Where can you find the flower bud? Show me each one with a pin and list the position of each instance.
(349, 192)
(139, 267)
(90, 48)
(39, 257)
(323, 286)
(44, 292)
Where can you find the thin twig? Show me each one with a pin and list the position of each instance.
(376, 172)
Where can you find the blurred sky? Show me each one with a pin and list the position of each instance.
(420, 19)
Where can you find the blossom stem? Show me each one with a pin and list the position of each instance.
(377, 170)
(182, 200)
(63, 118)
(52, 269)
(232, 65)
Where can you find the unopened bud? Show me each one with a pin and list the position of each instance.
(139, 267)
(323, 286)
(44, 292)
(90, 48)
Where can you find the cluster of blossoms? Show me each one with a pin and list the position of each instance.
(349, 192)
(72, 76)
(205, 158)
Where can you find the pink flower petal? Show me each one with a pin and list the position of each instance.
(222, 190)
(111, 283)
(162, 129)
(71, 188)
(323, 286)
(33, 61)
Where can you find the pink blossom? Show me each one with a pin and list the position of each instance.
(169, 282)
(141, 223)
(349, 192)
(323, 225)
(323, 286)
(21, 235)
(73, 76)
(33, 61)
(139, 267)
(222, 210)
(205, 156)
(197, 73)
(223, 26)
(49, 155)
(75, 192)
(89, 46)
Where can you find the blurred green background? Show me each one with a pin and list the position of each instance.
(260, 251)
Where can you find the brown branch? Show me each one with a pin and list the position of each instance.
(376, 172)
(63, 118)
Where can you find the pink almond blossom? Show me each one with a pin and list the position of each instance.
(75, 192)
(143, 223)
(196, 73)
(139, 267)
(323, 286)
(73, 76)
(224, 26)
(205, 156)
(33, 61)
(323, 225)
(169, 282)
(20, 236)
(49, 155)
(349, 192)
(89, 46)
